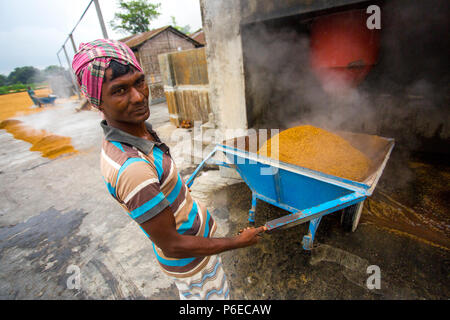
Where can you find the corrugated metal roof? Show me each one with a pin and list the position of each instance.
(198, 36)
(136, 40)
(126, 38)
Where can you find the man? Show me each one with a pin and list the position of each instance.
(140, 174)
(33, 97)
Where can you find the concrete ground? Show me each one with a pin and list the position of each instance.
(56, 218)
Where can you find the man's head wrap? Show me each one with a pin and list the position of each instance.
(91, 61)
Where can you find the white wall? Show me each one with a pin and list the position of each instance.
(225, 62)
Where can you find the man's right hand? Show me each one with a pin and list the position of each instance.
(162, 231)
(249, 236)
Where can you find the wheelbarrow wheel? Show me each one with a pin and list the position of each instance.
(350, 217)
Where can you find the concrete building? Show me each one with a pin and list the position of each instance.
(148, 45)
(259, 70)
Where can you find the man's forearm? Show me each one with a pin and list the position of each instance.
(193, 246)
(163, 233)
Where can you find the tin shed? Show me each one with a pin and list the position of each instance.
(148, 45)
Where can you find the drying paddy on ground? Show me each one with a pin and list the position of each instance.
(20, 104)
(17, 104)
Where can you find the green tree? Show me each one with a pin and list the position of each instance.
(186, 29)
(135, 16)
(3, 80)
(24, 75)
(55, 71)
(52, 70)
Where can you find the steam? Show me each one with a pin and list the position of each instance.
(61, 85)
(286, 93)
(405, 96)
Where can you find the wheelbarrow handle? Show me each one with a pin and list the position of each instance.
(191, 179)
(314, 212)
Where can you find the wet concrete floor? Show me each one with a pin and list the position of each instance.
(56, 214)
(278, 268)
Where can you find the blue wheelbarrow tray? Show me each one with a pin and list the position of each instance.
(47, 100)
(50, 99)
(307, 194)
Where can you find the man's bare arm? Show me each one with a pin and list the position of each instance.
(163, 233)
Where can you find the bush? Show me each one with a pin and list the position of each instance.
(18, 87)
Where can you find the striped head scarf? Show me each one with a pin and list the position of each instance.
(91, 61)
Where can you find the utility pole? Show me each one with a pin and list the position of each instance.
(73, 43)
(57, 54)
(71, 72)
(105, 35)
(100, 19)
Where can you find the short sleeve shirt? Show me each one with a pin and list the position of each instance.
(142, 177)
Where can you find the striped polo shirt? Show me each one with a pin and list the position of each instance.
(141, 176)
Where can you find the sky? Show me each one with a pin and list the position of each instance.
(33, 31)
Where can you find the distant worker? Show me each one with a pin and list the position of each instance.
(140, 174)
(30, 91)
(39, 101)
(33, 97)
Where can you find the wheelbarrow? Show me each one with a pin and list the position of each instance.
(39, 101)
(307, 194)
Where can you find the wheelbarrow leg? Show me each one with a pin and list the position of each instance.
(251, 212)
(308, 240)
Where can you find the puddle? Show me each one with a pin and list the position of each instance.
(49, 232)
(419, 209)
(278, 267)
(36, 253)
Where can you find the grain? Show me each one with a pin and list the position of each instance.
(317, 149)
(49, 145)
(19, 103)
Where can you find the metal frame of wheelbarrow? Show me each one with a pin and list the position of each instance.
(358, 192)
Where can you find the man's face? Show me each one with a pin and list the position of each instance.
(125, 98)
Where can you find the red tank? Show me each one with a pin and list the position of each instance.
(343, 49)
